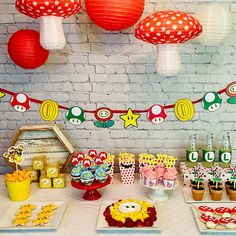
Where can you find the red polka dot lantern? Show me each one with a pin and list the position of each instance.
(114, 15)
(25, 50)
(50, 13)
(168, 29)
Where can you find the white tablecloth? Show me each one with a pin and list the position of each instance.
(80, 218)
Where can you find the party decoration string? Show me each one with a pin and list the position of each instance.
(183, 108)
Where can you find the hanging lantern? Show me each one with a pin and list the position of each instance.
(113, 15)
(217, 24)
(166, 30)
(25, 50)
(50, 14)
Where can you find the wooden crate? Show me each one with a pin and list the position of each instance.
(43, 140)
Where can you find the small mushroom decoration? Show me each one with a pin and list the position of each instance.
(211, 101)
(86, 162)
(20, 102)
(156, 114)
(50, 13)
(167, 29)
(103, 116)
(75, 115)
(92, 153)
(102, 155)
(77, 158)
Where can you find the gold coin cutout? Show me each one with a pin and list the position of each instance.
(49, 110)
(184, 109)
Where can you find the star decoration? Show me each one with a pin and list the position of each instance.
(130, 118)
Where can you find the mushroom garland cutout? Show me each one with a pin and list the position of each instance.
(156, 114)
(113, 15)
(25, 50)
(211, 101)
(103, 116)
(231, 92)
(167, 29)
(20, 102)
(50, 13)
(75, 115)
(217, 24)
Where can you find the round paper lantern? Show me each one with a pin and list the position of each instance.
(114, 15)
(217, 24)
(50, 14)
(25, 50)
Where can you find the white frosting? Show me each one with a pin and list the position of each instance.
(226, 214)
(210, 225)
(129, 207)
(208, 213)
(230, 226)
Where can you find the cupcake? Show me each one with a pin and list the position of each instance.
(169, 179)
(150, 178)
(143, 171)
(87, 177)
(105, 167)
(159, 172)
(93, 167)
(75, 173)
(101, 175)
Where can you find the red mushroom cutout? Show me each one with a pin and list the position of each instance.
(156, 114)
(20, 102)
(167, 29)
(50, 13)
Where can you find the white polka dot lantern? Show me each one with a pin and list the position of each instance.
(20, 102)
(156, 114)
(217, 24)
(75, 115)
(50, 13)
(211, 101)
(168, 29)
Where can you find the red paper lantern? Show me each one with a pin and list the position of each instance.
(25, 50)
(114, 15)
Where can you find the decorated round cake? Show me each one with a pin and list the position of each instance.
(130, 213)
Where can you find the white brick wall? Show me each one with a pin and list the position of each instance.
(99, 68)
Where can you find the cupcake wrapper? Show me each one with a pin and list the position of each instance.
(127, 174)
(87, 182)
(150, 182)
(169, 183)
(102, 180)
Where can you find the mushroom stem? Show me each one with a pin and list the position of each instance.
(51, 32)
(168, 59)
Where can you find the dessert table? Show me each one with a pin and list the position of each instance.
(80, 217)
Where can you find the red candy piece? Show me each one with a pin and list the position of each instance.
(227, 220)
(205, 218)
(204, 209)
(92, 153)
(222, 210)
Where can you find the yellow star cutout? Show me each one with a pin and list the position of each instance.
(130, 118)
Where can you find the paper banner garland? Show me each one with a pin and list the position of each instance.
(231, 92)
(49, 110)
(184, 109)
(113, 15)
(25, 50)
(167, 29)
(2, 95)
(50, 13)
(211, 101)
(130, 119)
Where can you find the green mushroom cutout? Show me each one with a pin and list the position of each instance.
(211, 101)
(75, 115)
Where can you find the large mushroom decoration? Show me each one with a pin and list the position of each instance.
(50, 13)
(168, 29)
(156, 114)
(75, 115)
(211, 101)
(20, 102)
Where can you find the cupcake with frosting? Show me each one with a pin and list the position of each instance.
(87, 177)
(75, 173)
(169, 179)
(101, 175)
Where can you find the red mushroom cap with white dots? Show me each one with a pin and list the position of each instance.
(37, 8)
(168, 27)
(20, 102)
(156, 114)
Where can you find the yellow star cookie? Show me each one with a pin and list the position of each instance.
(20, 221)
(45, 215)
(28, 207)
(49, 207)
(23, 214)
(40, 221)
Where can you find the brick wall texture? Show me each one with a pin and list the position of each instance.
(99, 68)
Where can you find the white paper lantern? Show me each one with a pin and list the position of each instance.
(217, 24)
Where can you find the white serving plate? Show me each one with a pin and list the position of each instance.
(219, 228)
(206, 198)
(102, 225)
(55, 220)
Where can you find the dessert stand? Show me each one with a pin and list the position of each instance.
(91, 193)
(158, 192)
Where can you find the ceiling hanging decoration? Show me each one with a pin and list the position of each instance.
(114, 15)
(166, 30)
(25, 50)
(184, 109)
(50, 14)
(217, 24)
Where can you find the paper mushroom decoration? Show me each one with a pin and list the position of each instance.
(25, 50)
(211, 101)
(168, 29)
(217, 24)
(20, 102)
(50, 13)
(75, 115)
(114, 15)
(156, 114)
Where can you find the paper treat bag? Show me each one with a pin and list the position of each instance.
(127, 167)
(110, 161)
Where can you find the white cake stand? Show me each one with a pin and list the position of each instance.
(158, 192)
